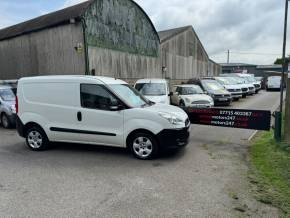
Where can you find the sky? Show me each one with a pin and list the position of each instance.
(251, 29)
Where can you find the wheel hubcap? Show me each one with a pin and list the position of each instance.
(142, 147)
(34, 139)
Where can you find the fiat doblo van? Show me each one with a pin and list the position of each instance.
(96, 110)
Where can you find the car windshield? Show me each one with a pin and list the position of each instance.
(192, 90)
(7, 95)
(130, 95)
(226, 81)
(151, 89)
(212, 85)
(251, 79)
(239, 80)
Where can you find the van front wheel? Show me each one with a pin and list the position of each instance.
(143, 146)
(36, 139)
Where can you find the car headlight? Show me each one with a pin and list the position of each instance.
(13, 109)
(171, 118)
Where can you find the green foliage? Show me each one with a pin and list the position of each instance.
(280, 60)
(270, 168)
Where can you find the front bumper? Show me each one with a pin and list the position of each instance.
(200, 105)
(19, 127)
(236, 95)
(252, 91)
(173, 138)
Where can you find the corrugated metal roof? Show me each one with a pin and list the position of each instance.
(167, 34)
(53, 19)
(237, 65)
(274, 66)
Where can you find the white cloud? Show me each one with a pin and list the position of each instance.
(238, 25)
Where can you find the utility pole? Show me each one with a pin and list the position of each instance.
(228, 59)
(287, 112)
(279, 127)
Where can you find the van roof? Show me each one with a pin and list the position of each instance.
(151, 80)
(74, 78)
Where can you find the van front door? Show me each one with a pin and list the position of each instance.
(97, 122)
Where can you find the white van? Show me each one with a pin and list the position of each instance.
(96, 110)
(156, 90)
(274, 82)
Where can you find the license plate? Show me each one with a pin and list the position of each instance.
(223, 99)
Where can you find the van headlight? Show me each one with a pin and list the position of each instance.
(171, 118)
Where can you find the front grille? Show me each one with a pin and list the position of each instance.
(222, 96)
(234, 90)
(200, 102)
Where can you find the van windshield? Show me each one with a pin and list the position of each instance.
(130, 95)
(151, 89)
(7, 95)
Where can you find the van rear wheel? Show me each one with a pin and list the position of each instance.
(36, 139)
(143, 146)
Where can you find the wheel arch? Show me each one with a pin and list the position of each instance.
(131, 134)
(29, 125)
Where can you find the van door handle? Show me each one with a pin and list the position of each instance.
(79, 115)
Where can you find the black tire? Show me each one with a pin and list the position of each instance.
(36, 139)
(143, 138)
(5, 121)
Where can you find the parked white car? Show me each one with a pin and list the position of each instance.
(96, 110)
(232, 86)
(274, 82)
(191, 96)
(240, 79)
(156, 90)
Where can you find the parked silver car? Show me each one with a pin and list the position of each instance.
(7, 107)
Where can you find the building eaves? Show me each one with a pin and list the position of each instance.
(46, 21)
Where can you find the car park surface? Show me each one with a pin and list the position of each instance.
(92, 181)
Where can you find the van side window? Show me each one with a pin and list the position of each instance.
(96, 97)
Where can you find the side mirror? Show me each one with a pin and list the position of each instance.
(115, 105)
(170, 94)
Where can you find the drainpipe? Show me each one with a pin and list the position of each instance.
(87, 71)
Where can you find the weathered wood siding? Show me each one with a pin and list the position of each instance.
(127, 66)
(185, 58)
(122, 40)
(50, 51)
(214, 69)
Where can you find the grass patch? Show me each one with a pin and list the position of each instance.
(270, 171)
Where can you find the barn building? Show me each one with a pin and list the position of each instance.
(183, 56)
(103, 37)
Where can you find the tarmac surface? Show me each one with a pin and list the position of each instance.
(206, 179)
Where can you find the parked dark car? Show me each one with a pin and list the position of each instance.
(211, 87)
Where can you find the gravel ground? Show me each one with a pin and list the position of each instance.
(206, 179)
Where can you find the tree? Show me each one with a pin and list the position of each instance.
(280, 60)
